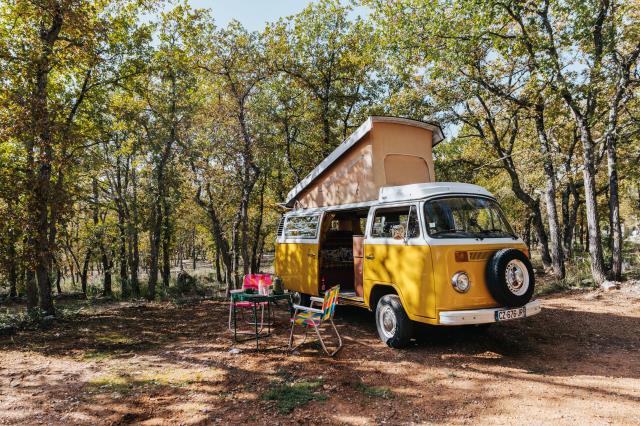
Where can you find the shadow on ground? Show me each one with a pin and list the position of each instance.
(159, 363)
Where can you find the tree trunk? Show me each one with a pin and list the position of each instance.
(122, 258)
(166, 243)
(244, 218)
(505, 156)
(235, 252)
(104, 257)
(582, 230)
(134, 253)
(566, 224)
(39, 172)
(255, 262)
(614, 209)
(570, 217)
(541, 235)
(157, 221)
(31, 288)
(326, 126)
(58, 279)
(12, 274)
(221, 242)
(534, 206)
(260, 253)
(154, 251)
(194, 257)
(72, 272)
(591, 205)
(106, 266)
(44, 281)
(527, 231)
(218, 272)
(121, 186)
(85, 271)
(557, 255)
(250, 176)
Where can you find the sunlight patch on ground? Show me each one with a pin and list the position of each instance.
(352, 419)
(125, 382)
(115, 339)
(80, 418)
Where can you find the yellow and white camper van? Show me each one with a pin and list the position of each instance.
(371, 218)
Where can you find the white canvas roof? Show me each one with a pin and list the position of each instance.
(413, 192)
(353, 139)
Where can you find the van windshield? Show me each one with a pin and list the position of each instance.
(465, 217)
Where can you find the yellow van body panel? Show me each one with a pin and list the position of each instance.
(420, 274)
(408, 269)
(297, 265)
(478, 296)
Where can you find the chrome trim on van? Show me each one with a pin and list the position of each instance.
(482, 316)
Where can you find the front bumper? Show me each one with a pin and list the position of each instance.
(482, 316)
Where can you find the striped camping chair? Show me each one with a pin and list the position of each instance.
(314, 317)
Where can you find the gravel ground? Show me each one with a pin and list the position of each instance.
(576, 362)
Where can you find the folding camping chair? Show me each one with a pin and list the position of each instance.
(309, 316)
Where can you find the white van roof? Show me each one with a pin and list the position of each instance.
(413, 192)
(418, 191)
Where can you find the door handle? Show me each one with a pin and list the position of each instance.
(311, 254)
(370, 257)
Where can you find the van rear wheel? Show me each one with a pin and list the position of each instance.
(394, 326)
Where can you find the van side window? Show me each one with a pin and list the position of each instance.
(395, 222)
(301, 227)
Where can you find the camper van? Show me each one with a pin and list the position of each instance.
(372, 219)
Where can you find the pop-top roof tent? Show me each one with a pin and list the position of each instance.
(382, 152)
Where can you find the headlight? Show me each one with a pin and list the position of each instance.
(460, 282)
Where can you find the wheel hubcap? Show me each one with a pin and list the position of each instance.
(387, 322)
(517, 277)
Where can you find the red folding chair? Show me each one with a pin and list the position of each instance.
(251, 281)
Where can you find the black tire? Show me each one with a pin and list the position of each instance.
(394, 326)
(510, 277)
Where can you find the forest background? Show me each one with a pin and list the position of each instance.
(139, 139)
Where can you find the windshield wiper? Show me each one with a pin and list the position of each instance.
(449, 231)
(488, 231)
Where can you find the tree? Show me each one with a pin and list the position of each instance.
(604, 43)
(56, 56)
(168, 91)
(333, 59)
(518, 52)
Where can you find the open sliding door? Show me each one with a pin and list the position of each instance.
(297, 253)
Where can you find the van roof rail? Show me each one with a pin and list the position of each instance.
(423, 190)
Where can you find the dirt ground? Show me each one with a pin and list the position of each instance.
(576, 362)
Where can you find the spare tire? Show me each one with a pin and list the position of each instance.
(510, 277)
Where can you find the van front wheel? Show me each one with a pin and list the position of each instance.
(394, 326)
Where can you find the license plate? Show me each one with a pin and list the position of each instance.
(509, 314)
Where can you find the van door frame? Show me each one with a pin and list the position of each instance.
(421, 240)
(313, 281)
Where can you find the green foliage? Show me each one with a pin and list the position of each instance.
(374, 391)
(172, 134)
(290, 396)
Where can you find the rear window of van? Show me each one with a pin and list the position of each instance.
(301, 227)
